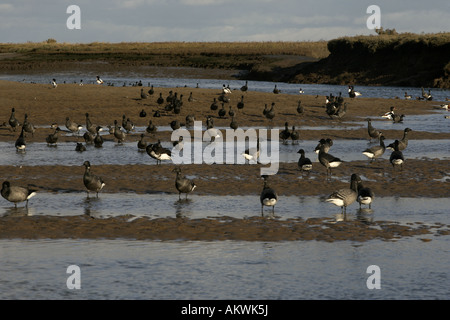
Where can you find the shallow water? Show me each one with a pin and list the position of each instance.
(161, 205)
(262, 86)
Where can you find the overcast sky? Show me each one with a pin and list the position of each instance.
(213, 20)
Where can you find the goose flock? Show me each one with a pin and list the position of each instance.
(335, 109)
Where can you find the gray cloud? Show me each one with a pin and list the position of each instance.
(213, 20)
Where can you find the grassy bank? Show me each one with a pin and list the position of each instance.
(402, 59)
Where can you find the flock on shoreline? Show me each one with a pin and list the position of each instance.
(335, 109)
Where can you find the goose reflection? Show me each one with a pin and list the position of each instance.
(88, 204)
(18, 211)
(183, 208)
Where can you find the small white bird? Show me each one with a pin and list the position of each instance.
(226, 89)
(54, 84)
(99, 81)
(301, 91)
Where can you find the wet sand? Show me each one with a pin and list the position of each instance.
(46, 105)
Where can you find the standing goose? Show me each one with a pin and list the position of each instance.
(346, 196)
(403, 143)
(222, 112)
(270, 113)
(88, 137)
(151, 128)
(141, 144)
(142, 114)
(72, 126)
(89, 125)
(160, 99)
(396, 158)
(151, 91)
(276, 90)
(190, 119)
(325, 144)
(294, 135)
(98, 140)
(214, 106)
(183, 184)
(143, 94)
(119, 134)
(16, 194)
(373, 133)
(285, 134)
(28, 126)
(304, 164)
(244, 88)
(80, 147)
(300, 108)
(328, 161)
(365, 195)
(240, 104)
(92, 182)
(20, 142)
(13, 122)
(52, 138)
(268, 196)
(156, 151)
(233, 124)
(231, 112)
(376, 151)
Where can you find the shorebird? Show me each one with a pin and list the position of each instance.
(54, 84)
(345, 196)
(352, 93)
(389, 115)
(98, 80)
(268, 196)
(226, 89)
(91, 181)
(16, 194)
(183, 184)
(407, 96)
(252, 153)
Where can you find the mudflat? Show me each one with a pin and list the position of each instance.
(46, 106)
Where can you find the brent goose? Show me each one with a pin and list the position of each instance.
(80, 147)
(141, 144)
(16, 194)
(92, 128)
(245, 87)
(151, 91)
(270, 114)
(92, 182)
(233, 123)
(294, 135)
(300, 108)
(183, 184)
(403, 143)
(345, 196)
(160, 100)
(222, 112)
(88, 137)
(328, 161)
(143, 94)
(396, 158)
(240, 104)
(158, 152)
(52, 138)
(214, 106)
(142, 114)
(397, 118)
(20, 142)
(178, 144)
(98, 140)
(325, 143)
(276, 90)
(191, 98)
(175, 124)
(285, 134)
(304, 164)
(365, 195)
(119, 134)
(268, 196)
(151, 128)
(373, 133)
(376, 151)
(127, 124)
(73, 126)
(13, 122)
(28, 126)
(231, 112)
(190, 119)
